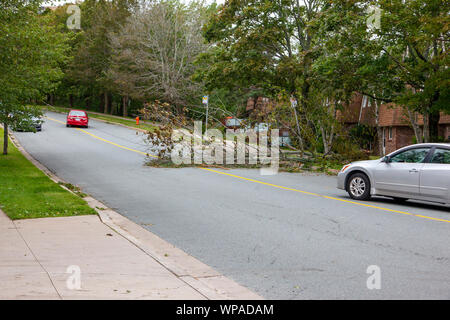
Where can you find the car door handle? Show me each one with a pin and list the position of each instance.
(413, 170)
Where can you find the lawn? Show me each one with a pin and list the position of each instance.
(105, 117)
(26, 192)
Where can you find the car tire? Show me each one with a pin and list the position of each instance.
(358, 186)
(67, 125)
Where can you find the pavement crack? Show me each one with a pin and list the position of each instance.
(37, 260)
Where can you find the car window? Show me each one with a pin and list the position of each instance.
(441, 156)
(411, 156)
(77, 113)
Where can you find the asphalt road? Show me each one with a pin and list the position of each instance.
(275, 238)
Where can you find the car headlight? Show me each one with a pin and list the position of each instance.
(345, 167)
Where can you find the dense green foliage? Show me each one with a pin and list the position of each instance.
(318, 53)
(404, 60)
(32, 49)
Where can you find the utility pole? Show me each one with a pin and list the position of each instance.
(206, 102)
(294, 107)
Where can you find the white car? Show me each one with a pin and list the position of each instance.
(420, 171)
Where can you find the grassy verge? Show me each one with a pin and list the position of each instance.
(108, 118)
(26, 192)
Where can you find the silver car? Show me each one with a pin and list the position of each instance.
(420, 171)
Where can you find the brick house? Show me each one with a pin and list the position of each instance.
(444, 126)
(394, 121)
(258, 106)
(395, 127)
(359, 111)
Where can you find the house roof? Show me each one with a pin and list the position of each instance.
(389, 114)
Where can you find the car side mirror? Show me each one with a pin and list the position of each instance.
(386, 159)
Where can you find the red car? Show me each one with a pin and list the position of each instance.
(77, 118)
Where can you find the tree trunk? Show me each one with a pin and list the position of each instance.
(49, 99)
(110, 103)
(433, 120)
(112, 107)
(324, 140)
(125, 105)
(297, 123)
(379, 131)
(299, 132)
(380, 140)
(327, 139)
(5, 138)
(417, 130)
(71, 100)
(105, 108)
(426, 128)
(101, 103)
(331, 138)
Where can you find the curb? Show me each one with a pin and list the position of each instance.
(185, 267)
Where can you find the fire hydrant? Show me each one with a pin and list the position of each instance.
(137, 120)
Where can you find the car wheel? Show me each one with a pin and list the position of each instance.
(358, 186)
(67, 125)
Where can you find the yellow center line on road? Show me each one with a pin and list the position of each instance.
(115, 144)
(270, 184)
(326, 197)
(107, 141)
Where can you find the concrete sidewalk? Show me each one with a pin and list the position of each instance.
(35, 256)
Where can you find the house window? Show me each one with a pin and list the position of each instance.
(390, 133)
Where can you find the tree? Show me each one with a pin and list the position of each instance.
(416, 35)
(268, 45)
(92, 52)
(154, 53)
(350, 59)
(31, 50)
(403, 61)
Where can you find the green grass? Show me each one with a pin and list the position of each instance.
(101, 116)
(26, 192)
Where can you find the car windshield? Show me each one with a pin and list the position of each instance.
(77, 113)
